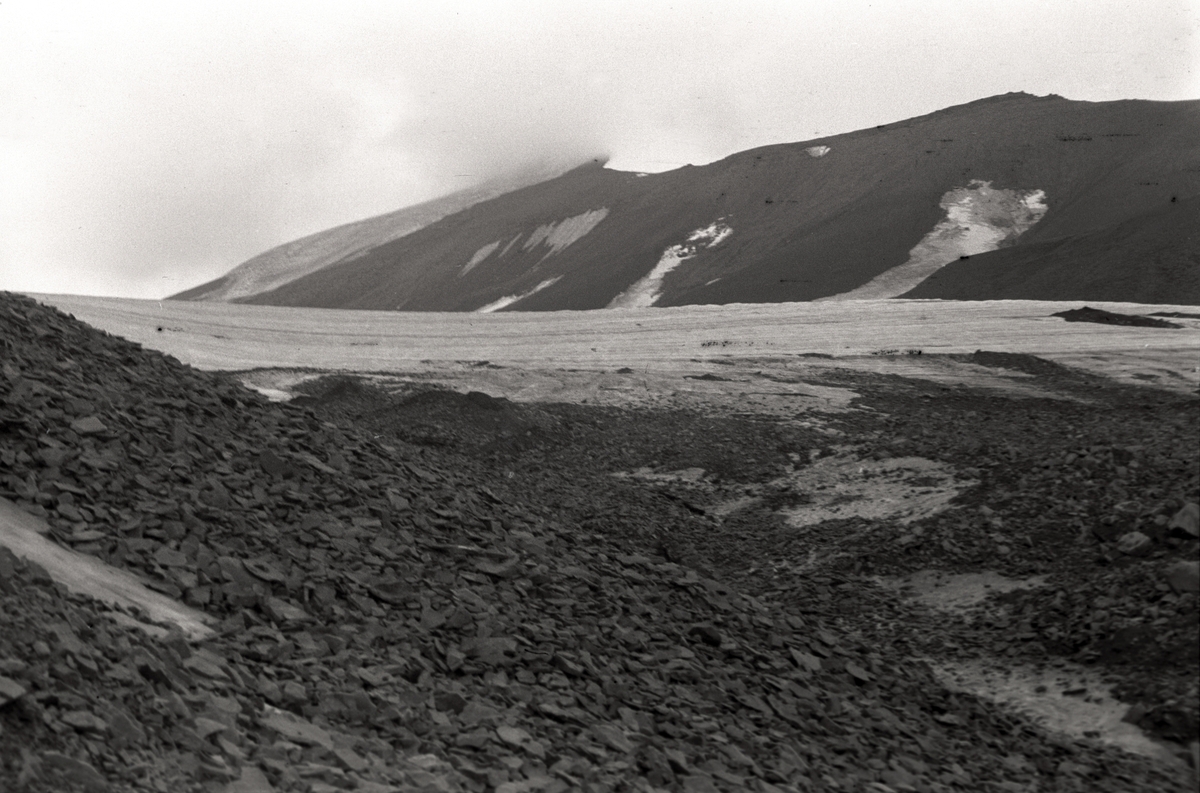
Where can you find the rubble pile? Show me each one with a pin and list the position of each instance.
(391, 615)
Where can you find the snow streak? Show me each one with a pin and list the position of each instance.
(504, 302)
(648, 289)
(979, 218)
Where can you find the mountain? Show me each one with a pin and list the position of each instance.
(285, 263)
(1040, 197)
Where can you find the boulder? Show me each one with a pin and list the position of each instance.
(1134, 543)
(10, 690)
(90, 425)
(1186, 521)
(1184, 576)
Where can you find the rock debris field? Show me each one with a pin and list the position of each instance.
(396, 586)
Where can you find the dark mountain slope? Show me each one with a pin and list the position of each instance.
(1153, 258)
(292, 260)
(884, 199)
(806, 223)
(423, 271)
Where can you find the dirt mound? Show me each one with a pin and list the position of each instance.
(431, 416)
(1088, 314)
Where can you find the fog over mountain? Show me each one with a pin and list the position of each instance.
(1014, 196)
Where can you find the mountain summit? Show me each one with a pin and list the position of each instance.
(1014, 196)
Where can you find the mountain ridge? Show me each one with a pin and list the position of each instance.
(809, 220)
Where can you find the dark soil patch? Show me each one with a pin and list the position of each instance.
(1019, 362)
(1088, 314)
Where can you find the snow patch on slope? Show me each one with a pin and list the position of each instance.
(504, 302)
(647, 290)
(555, 236)
(818, 151)
(558, 236)
(26, 536)
(511, 242)
(479, 256)
(979, 218)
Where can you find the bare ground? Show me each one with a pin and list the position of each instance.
(997, 521)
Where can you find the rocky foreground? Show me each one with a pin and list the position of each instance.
(443, 592)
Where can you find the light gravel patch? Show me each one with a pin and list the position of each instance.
(1172, 369)
(1066, 698)
(741, 391)
(901, 489)
(690, 475)
(956, 591)
(1063, 697)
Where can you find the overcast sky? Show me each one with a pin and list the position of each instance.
(146, 147)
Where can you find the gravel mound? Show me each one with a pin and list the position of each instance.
(464, 616)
